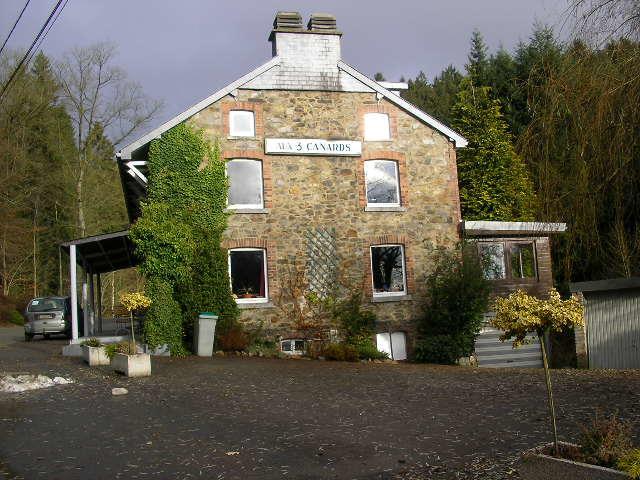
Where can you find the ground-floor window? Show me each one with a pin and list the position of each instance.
(292, 347)
(248, 274)
(388, 270)
(393, 344)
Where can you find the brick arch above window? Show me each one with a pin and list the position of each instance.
(267, 176)
(257, 242)
(399, 158)
(255, 107)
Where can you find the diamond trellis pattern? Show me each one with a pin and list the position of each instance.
(322, 260)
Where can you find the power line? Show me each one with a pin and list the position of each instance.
(47, 32)
(35, 40)
(14, 26)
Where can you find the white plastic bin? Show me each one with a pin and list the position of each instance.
(204, 333)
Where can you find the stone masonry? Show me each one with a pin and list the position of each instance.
(303, 192)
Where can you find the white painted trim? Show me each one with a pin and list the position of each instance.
(459, 140)
(126, 152)
(135, 173)
(395, 85)
(404, 272)
(74, 291)
(398, 203)
(246, 301)
(246, 206)
(488, 227)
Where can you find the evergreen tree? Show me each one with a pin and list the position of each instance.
(379, 77)
(493, 179)
(436, 99)
(478, 66)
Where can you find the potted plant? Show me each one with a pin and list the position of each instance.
(246, 292)
(604, 452)
(125, 356)
(94, 352)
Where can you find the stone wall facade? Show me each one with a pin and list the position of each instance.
(324, 192)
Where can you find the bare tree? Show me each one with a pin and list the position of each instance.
(102, 104)
(604, 20)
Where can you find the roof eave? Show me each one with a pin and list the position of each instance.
(454, 136)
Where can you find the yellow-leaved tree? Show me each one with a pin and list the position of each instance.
(520, 314)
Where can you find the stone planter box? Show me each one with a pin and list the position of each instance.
(138, 365)
(95, 355)
(536, 466)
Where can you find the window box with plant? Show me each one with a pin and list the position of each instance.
(94, 352)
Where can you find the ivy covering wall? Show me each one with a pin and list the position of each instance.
(178, 237)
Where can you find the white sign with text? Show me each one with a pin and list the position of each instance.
(312, 146)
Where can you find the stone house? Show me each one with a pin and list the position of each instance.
(332, 174)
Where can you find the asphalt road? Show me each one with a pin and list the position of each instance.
(245, 418)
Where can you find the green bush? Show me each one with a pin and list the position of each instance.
(367, 350)
(265, 349)
(605, 440)
(458, 296)
(16, 317)
(341, 352)
(630, 463)
(442, 349)
(128, 348)
(353, 320)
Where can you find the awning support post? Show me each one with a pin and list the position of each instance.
(99, 299)
(74, 292)
(85, 301)
(92, 304)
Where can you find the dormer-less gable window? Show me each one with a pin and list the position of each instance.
(382, 183)
(242, 123)
(376, 127)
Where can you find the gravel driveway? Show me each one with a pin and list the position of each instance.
(245, 418)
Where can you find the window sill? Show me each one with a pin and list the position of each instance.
(254, 305)
(247, 210)
(391, 298)
(240, 137)
(385, 209)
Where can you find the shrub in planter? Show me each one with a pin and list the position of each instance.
(604, 441)
(126, 360)
(94, 353)
(630, 463)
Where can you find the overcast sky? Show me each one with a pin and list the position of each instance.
(182, 51)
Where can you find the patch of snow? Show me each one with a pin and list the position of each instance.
(22, 383)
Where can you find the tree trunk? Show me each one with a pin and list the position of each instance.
(35, 252)
(80, 202)
(547, 376)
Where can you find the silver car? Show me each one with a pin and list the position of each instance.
(46, 316)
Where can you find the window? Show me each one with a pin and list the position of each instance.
(492, 255)
(376, 126)
(292, 347)
(387, 270)
(242, 123)
(512, 260)
(522, 260)
(248, 274)
(381, 180)
(245, 183)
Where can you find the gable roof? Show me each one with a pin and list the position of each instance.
(126, 152)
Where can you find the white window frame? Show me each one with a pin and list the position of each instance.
(264, 299)
(404, 271)
(293, 351)
(366, 190)
(232, 124)
(369, 136)
(241, 206)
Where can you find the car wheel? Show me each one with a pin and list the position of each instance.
(28, 337)
(47, 336)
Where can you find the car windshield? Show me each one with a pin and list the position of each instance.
(46, 304)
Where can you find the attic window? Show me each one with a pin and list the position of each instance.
(376, 126)
(242, 123)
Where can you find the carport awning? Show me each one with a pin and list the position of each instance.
(104, 253)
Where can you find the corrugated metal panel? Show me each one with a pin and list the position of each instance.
(492, 353)
(613, 328)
